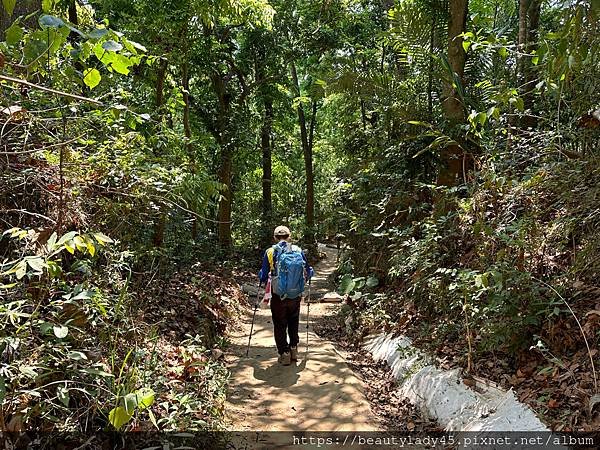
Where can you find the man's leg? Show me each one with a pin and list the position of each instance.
(293, 320)
(278, 314)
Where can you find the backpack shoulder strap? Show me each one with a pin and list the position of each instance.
(271, 257)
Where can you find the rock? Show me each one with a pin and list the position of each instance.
(332, 297)
(251, 289)
(217, 353)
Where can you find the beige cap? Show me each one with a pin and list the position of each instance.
(281, 231)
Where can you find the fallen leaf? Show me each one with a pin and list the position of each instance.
(469, 382)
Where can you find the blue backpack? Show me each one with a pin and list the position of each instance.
(288, 281)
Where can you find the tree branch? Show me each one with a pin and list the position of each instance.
(52, 91)
(26, 152)
(29, 213)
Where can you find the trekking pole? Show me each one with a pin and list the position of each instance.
(253, 317)
(307, 314)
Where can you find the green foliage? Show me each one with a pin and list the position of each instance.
(188, 93)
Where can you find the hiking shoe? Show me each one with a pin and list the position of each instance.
(285, 359)
(294, 353)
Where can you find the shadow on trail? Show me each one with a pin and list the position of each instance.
(318, 393)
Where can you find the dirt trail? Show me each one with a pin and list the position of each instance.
(318, 393)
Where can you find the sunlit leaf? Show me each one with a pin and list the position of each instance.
(77, 356)
(28, 371)
(118, 417)
(98, 372)
(60, 331)
(67, 237)
(37, 264)
(103, 239)
(145, 398)
(91, 78)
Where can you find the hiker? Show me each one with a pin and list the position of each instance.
(289, 270)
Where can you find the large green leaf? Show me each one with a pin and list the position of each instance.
(103, 239)
(112, 46)
(37, 264)
(47, 21)
(91, 78)
(145, 398)
(120, 64)
(118, 417)
(14, 34)
(130, 401)
(98, 33)
(67, 237)
(347, 284)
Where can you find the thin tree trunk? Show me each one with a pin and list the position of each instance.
(308, 165)
(451, 170)
(313, 124)
(225, 172)
(185, 84)
(161, 224)
(522, 37)
(225, 205)
(430, 70)
(363, 114)
(529, 69)
(160, 83)
(267, 179)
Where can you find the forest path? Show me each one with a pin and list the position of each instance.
(318, 393)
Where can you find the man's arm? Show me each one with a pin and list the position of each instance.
(263, 275)
(309, 270)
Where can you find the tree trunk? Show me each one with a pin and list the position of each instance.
(308, 165)
(267, 183)
(225, 172)
(225, 205)
(73, 12)
(22, 8)
(522, 38)
(185, 84)
(160, 83)
(187, 129)
(451, 170)
(430, 69)
(161, 224)
(529, 71)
